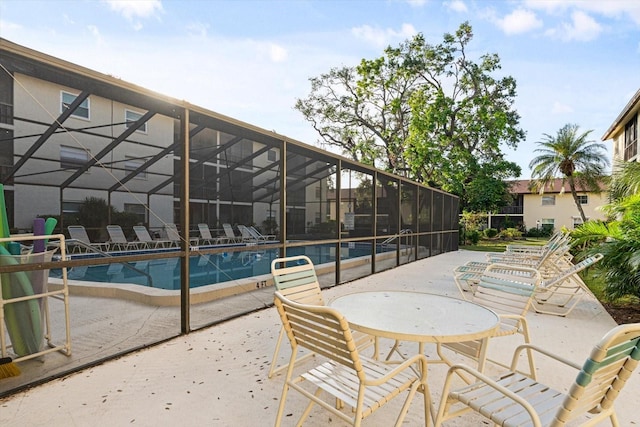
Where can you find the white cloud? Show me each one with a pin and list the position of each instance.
(417, 3)
(95, 32)
(620, 9)
(560, 108)
(381, 37)
(277, 53)
(581, 28)
(198, 29)
(519, 21)
(135, 8)
(457, 6)
(6, 26)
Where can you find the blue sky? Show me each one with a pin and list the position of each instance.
(574, 61)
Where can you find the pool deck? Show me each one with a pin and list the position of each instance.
(217, 376)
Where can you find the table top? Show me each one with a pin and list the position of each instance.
(416, 316)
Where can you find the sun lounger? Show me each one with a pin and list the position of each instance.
(79, 234)
(145, 239)
(117, 239)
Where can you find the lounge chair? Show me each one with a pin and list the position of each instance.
(145, 239)
(231, 235)
(205, 235)
(262, 237)
(117, 239)
(295, 278)
(79, 234)
(509, 295)
(512, 398)
(363, 384)
(246, 235)
(560, 294)
(174, 237)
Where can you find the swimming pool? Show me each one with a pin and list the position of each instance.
(210, 269)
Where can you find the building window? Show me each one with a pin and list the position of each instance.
(69, 207)
(577, 221)
(548, 200)
(583, 199)
(133, 163)
(81, 112)
(631, 139)
(73, 157)
(271, 155)
(548, 223)
(130, 117)
(138, 210)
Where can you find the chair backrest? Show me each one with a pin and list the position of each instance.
(172, 232)
(321, 329)
(205, 233)
(569, 272)
(604, 373)
(295, 277)
(78, 232)
(507, 289)
(246, 234)
(228, 231)
(116, 235)
(142, 233)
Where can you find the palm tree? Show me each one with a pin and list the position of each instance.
(572, 157)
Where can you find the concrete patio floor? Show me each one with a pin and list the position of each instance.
(218, 376)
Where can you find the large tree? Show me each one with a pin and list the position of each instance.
(571, 156)
(426, 112)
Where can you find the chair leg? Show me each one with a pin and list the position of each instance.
(272, 368)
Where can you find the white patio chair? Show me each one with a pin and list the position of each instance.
(295, 278)
(205, 235)
(263, 237)
(363, 384)
(558, 295)
(246, 235)
(79, 233)
(117, 239)
(508, 290)
(231, 235)
(145, 239)
(513, 399)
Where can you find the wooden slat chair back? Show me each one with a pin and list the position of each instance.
(513, 399)
(508, 290)
(363, 384)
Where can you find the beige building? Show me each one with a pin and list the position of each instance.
(624, 132)
(555, 207)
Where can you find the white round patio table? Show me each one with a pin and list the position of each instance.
(416, 316)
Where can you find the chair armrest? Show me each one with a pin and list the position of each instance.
(420, 359)
(491, 383)
(522, 347)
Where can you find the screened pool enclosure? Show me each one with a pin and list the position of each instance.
(92, 150)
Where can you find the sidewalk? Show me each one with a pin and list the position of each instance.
(218, 376)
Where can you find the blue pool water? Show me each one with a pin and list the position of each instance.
(207, 269)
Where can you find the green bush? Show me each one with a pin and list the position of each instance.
(510, 234)
(491, 233)
(472, 236)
